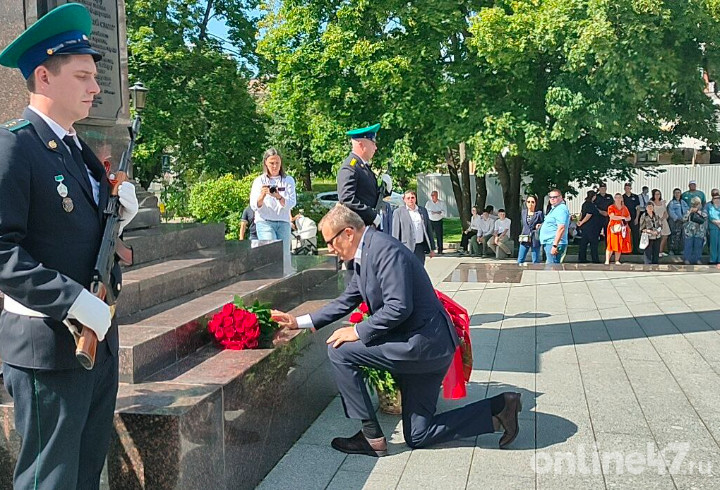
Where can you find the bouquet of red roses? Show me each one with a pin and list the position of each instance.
(237, 327)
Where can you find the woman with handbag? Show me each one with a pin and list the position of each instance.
(528, 239)
(618, 236)
(677, 209)
(651, 229)
(662, 212)
(694, 230)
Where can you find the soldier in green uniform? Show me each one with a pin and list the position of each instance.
(357, 185)
(53, 193)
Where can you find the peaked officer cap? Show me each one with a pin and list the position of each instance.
(368, 132)
(64, 30)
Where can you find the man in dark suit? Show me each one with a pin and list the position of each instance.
(53, 191)
(411, 225)
(357, 186)
(408, 333)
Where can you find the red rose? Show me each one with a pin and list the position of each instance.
(364, 308)
(233, 345)
(228, 309)
(249, 320)
(214, 323)
(356, 317)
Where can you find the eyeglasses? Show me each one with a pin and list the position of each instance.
(330, 242)
(554, 197)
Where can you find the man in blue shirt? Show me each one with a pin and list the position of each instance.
(554, 231)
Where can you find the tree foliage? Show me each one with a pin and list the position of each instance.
(339, 65)
(199, 109)
(580, 84)
(561, 90)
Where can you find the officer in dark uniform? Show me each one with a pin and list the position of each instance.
(53, 191)
(357, 185)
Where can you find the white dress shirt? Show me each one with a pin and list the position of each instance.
(486, 226)
(417, 222)
(436, 210)
(501, 226)
(305, 321)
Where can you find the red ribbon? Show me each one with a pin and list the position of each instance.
(461, 366)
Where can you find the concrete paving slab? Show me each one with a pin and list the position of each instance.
(353, 480)
(292, 470)
(601, 364)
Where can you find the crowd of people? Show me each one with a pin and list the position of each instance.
(625, 223)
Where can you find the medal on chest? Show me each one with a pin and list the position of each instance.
(67, 204)
(62, 190)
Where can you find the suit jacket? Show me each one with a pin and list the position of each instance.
(404, 230)
(406, 318)
(357, 188)
(47, 255)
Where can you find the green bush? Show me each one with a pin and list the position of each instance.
(175, 197)
(221, 200)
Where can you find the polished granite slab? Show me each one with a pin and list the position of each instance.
(168, 430)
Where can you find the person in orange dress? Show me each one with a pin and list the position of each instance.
(618, 236)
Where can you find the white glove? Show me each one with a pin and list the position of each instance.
(388, 182)
(129, 203)
(92, 312)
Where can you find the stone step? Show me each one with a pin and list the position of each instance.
(216, 419)
(220, 418)
(171, 239)
(174, 330)
(158, 282)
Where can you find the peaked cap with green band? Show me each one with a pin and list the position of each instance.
(368, 132)
(64, 30)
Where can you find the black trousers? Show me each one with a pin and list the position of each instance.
(420, 252)
(437, 229)
(635, 232)
(420, 383)
(652, 252)
(591, 238)
(466, 237)
(65, 419)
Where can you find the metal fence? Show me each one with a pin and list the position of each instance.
(672, 176)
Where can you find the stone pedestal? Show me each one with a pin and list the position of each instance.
(149, 213)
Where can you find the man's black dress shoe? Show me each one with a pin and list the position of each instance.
(359, 444)
(509, 418)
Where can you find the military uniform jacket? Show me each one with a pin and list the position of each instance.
(357, 188)
(47, 254)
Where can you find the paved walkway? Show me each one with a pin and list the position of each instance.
(620, 379)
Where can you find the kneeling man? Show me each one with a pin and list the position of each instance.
(407, 333)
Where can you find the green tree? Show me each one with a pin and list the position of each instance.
(338, 65)
(578, 85)
(199, 109)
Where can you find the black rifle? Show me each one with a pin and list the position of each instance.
(111, 246)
